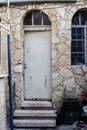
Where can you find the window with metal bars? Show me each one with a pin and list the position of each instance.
(79, 38)
(36, 17)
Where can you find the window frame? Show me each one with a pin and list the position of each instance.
(76, 40)
(33, 19)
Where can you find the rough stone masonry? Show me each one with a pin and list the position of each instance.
(66, 79)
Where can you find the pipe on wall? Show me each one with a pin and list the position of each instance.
(10, 83)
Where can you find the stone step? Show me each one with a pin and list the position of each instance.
(37, 104)
(35, 129)
(34, 123)
(35, 113)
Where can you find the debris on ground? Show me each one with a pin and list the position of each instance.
(78, 125)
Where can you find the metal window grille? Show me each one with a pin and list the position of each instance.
(36, 17)
(78, 45)
(79, 38)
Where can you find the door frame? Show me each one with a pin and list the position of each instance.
(35, 28)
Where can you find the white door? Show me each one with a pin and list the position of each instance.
(37, 58)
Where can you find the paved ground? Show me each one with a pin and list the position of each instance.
(57, 128)
(75, 126)
(61, 127)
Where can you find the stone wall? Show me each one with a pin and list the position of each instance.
(66, 79)
(2, 104)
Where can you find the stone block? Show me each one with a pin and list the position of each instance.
(36, 104)
(35, 113)
(18, 68)
(35, 123)
(65, 73)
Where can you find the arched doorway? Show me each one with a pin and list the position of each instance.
(37, 56)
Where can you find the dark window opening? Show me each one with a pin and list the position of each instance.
(36, 17)
(79, 38)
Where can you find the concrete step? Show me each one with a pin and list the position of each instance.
(38, 114)
(36, 104)
(34, 123)
(36, 128)
(35, 113)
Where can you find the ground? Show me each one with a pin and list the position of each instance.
(60, 127)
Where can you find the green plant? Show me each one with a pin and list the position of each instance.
(84, 86)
